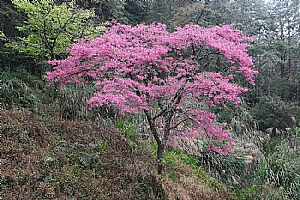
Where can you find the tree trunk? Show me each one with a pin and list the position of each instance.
(160, 166)
(160, 144)
(160, 156)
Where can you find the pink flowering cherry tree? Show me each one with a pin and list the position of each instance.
(170, 77)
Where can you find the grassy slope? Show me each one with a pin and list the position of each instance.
(45, 157)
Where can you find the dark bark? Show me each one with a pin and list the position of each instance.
(160, 156)
(160, 145)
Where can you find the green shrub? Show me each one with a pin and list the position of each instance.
(16, 93)
(127, 128)
(228, 169)
(273, 112)
(72, 102)
(281, 169)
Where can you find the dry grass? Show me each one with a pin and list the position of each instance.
(45, 157)
(192, 184)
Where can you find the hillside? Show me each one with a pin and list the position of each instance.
(150, 99)
(45, 157)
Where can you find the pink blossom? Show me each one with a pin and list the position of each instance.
(145, 68)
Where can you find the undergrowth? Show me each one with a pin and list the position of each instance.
(43, 156)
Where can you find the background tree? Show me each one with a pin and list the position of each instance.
(279, 39)
(147, 69)
(9, 19)
(137, 11)
(105, 10)
(50, 28)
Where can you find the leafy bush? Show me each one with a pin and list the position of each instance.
(72, 105)
(273, 112)
(243, 165)
(281, 169)
(229, 169)
(127, 128)
(16, 93)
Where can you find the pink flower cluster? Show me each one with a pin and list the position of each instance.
(146, 68)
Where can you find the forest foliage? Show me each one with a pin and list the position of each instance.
(38, 117)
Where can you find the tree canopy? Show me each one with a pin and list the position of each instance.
(147, 69)
(51, 28)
